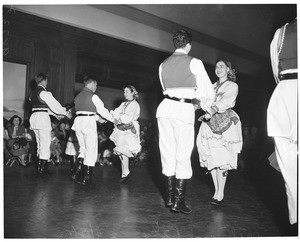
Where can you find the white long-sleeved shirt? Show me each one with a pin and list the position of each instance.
(226, 96)
(101, 109)
(127, 112)
(52, 103)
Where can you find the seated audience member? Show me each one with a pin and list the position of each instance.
(55, 148)
(18, 145)
(16, 128)
(64, 132)
(72, 149)
(54, 125)
(104, 145)
(5, 140)
(30, 136)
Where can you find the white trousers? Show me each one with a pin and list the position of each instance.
(125, 166)
(86, 132)
(176, 142)
(43, 140)
(286, 154)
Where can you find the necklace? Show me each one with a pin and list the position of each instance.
(219, 85)
(126, 105)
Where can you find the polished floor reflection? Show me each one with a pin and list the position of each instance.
(55, 207)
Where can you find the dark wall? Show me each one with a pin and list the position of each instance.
(67, 53)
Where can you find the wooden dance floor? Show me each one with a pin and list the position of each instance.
(56, 207)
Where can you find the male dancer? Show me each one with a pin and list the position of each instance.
(43, 104)
(183, 78)
(87, 106)
(282, 110)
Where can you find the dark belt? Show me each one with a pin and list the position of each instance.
(35, 111)
(182, 100)
(82, 114)
(288, 76)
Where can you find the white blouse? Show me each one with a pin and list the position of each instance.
(127, 112)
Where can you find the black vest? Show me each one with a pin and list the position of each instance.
(36, 101)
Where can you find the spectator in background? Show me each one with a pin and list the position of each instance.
(72, 150)
(16, 128)
(54, 125)
(55, 149)
(64, 132)
(104, 146)
(18, 133)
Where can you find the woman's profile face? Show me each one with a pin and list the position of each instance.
(16, 121)
(221, 69)
(128, 94)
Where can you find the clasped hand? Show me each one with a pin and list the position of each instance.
(205, 116)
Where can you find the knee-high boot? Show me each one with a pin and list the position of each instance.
(170, 187)
(87, 178)
(77, 169)
(39, 166)
(179, 200)
(46, 171)
(72, 164)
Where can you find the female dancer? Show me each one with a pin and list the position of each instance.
(220, 136)
(126, 134)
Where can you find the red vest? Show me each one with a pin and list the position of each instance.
(176, 72)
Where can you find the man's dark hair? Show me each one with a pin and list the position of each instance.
(181, 38)
(40, 77)
(88, 79)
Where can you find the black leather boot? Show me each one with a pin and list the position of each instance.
(170, 187)
(87, 178)
(77, 169)
(46, 171)
(72, 164)
(179, 200)
(39, 167)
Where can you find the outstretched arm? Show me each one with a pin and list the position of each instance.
(101, 109)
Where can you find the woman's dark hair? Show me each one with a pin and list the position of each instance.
(181, 38)
(231, 73)
(11, 121)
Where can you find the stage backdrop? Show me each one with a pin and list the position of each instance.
(14, 81)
